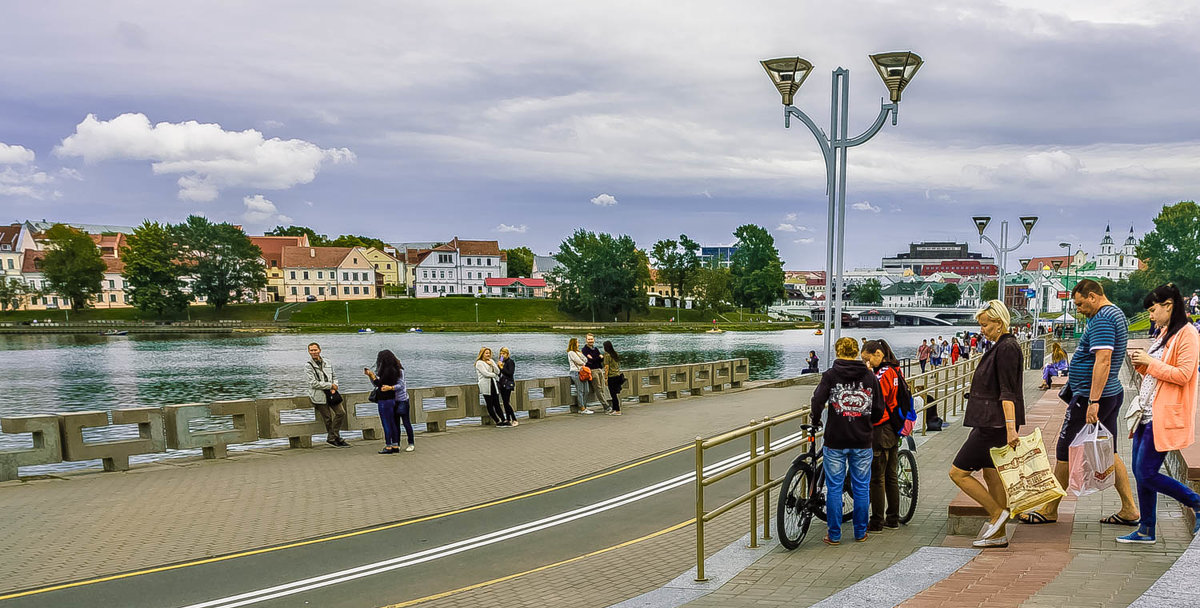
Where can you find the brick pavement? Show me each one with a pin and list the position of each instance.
(183, 510)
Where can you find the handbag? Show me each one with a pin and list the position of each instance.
(373, 396)
(585, 374)
(1066, 394)
(332, 398)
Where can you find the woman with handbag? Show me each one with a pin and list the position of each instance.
(391, 395)
(612, 371)
(995, 410)
(577, 362)
(1162, 417)
(508, 368)
(486, 375)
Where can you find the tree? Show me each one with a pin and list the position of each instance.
(153, 272)
(712, 288)
(869, 292)
(520, 261)
(227, 267)
(12, 292)
(352, 240)
(989, 291)
(757, 270)
(1172, 250)
(72, 265)
(947, 296)
(676, 262)
(1128, 293)
(600, 275)
(314, 239)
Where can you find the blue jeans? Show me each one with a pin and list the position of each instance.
(860, 487)
(1150, 483)
(393, 414)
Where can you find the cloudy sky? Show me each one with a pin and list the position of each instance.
(523, 120)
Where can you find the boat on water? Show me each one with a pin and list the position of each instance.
(115, 332)
(715, 330)
(415, 330)
(818, 333)
(366, 330)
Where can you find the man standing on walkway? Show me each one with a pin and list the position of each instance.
(595, 362)
(923, 354)
(323, 392)
(855, 403)
(1096, 395)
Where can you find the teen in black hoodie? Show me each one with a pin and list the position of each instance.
(851, 393)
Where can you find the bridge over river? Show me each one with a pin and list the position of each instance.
(904, 315)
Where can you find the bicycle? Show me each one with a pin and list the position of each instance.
(802, 494)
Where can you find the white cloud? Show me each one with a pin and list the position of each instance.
(804, 241)
(70, 173)
(512, 228)
(15, 155)
(785, 227)
(865, 206)
(20, 177)
(208, 157)
(604, 200)
(259, 210)
(791, 217)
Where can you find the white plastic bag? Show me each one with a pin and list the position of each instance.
(1091, 460)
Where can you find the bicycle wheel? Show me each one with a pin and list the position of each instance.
(909, 485)
(794, 514)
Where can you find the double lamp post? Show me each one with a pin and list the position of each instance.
(787, 74)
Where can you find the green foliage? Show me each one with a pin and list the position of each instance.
(225, 265)
(351, 240)
(520, 261)
(153, 273)
(869, 292)
(1128, 293)
(72, 265)
(1172, 250)
(947, 296)
(600, 275)
(314, 239)
(713, 288)
(757, 270)
(676, 262)
(12, 292)
(989, 291)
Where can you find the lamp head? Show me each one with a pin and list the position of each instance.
(1028, 222)
(1057, 265)
(787, 74)
(896, 70)
(981, 222)
(1025, 263)
(1067, 245)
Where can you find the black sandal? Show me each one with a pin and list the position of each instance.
(1116, 520)
(1033, 518)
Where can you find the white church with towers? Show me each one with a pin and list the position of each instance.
(1114, 263)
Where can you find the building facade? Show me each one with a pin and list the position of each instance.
(932, 253)
(458, 267)
(1114, 262)
(327, 273)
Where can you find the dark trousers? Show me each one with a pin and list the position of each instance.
(509, 414)
(923, 362)
(885, 483)
(614, 389)
(333, 418)
(493, 407)
(1150, 483)
(394, 414)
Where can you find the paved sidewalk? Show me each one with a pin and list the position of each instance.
(92, 524)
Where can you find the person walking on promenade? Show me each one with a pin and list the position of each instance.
(1167, 398)
(885, 481)
(955, 350)
(812, 363)
(388, 377)
(935, 352)
(578, 361)
(486, 375)
(324, 395)
(612, 373)
(1096, 396)
(1056, 366)
(995, 412)
(595, 363)
(923, 354)
(508, 382)
(851, 392)
(1195, 302)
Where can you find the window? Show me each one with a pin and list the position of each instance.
(451, 289)
(306, 291)
(469, 289)
(445, 258)
(274, 263)
(112, 284)
(443, 273)
(426, 289)
(320, 275)
(468, 275)
(356, 276)
(293, 291)
(355, 290)
(320, 291)
(468, 261)
(293, 277)
(112, 297)
(305, 275)
(424, 274)
(489, 261)
(389, 266)
(346, 290)
(355, 260)
(345, 276)
(377, 266)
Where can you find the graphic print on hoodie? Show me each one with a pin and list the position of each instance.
(851, 401)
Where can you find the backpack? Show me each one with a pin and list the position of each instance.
(907, 415)
(585, 374)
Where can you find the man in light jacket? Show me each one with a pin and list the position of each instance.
(321, 378)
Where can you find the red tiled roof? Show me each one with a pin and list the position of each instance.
(272, 246)
(475, 247)
(109, 244)
(313, 257)
(505, 282)
(1039, 263)
(9, 236)
(32, 261)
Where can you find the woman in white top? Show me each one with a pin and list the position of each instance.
(577, 360)
(487, 374)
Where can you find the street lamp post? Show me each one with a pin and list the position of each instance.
(477, 312)
(1067, 285)
(787, 74)
(1002, 250)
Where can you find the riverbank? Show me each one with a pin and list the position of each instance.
(194, 327)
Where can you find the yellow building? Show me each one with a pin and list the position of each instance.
(386, 264)
(272, 255)
(327, 273)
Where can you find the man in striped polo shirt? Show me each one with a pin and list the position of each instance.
(1097, 395)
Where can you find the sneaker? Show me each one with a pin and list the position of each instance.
(607, 410)
(614, 413)
(410, 448)
(895, 525)
(874, 528)
(586, 411)
(996, 543)
(341, 443)
(332, 442)
(1136, 538)
(502, 424)
(994, 527)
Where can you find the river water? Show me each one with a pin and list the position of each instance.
(46, 374)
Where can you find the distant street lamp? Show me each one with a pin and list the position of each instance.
(477, 312)
(1068, 305)
(787, 74)
(1002, 250)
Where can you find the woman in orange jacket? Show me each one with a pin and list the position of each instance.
(1167, 400)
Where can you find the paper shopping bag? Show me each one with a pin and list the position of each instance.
(1092, 462)
(1025, 471)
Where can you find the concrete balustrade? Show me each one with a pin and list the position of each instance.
(213, 444)
(271, 426)
(60, 437)
(47, 443)
(114, 453)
